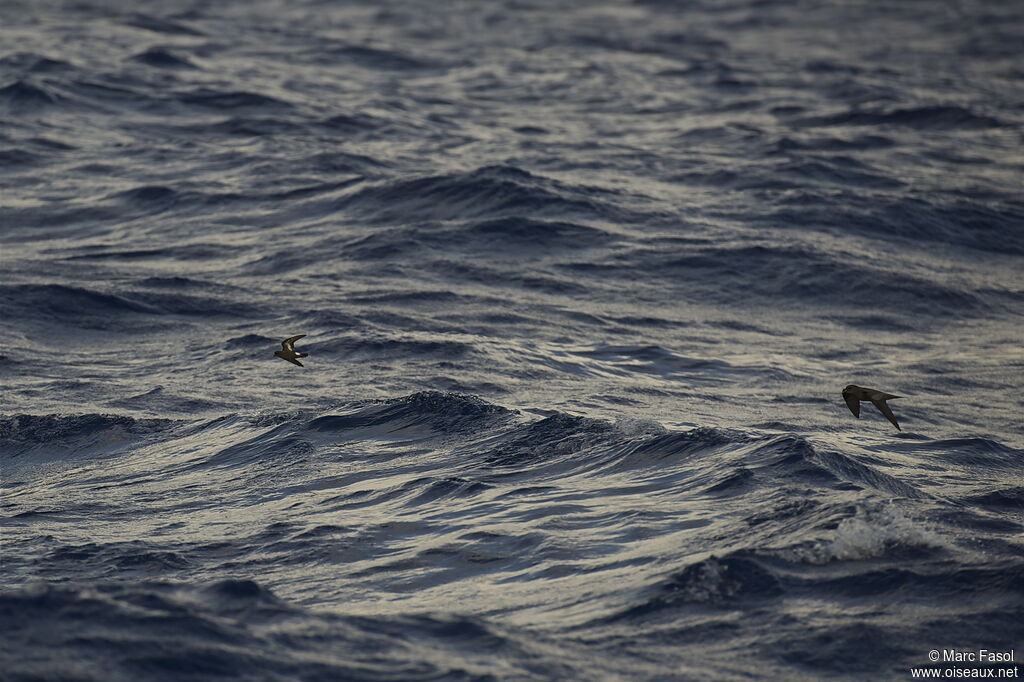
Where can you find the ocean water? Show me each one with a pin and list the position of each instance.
(581, 284)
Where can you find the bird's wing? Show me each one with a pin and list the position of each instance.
(852, 403)
(882, 395)
(289, 343)
(295, 362)
(884, 409)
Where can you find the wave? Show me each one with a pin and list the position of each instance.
(151, 198)
(491, 191)
(713, 581)
(32, 445)
(958, 223)
(499, 239)
(88, 308)
(838, 170)
(352, 124)
(979, 453)
(181, 283)
(17, 430)
(60, 302)
(24, 96)
(374, 58)
(156, 197)
(30, 62)
(476, 491)
(1005, 498)
(524, 233)
(218, 99)
(831, 143)
(235, 628)
(939, 117)
(160, 400)
(157, 24)
(443, 412)
(186, 252)
(163, 58)
(772, 273)
(12, 158)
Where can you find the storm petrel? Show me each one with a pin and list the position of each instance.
(854, 394)
(288, 353)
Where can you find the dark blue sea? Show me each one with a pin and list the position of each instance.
(581, 283)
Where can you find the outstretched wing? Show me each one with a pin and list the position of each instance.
(884, 409)
(289, 343)
(881, 395)
(852, 403)
(295, 362)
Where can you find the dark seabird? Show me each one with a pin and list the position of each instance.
(854, 394)
(288, 353)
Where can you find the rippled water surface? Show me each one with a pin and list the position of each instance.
(581, 284)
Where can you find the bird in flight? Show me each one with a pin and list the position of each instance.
(854, 394)
(288, 352)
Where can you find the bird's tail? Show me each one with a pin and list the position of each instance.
(302, 355)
